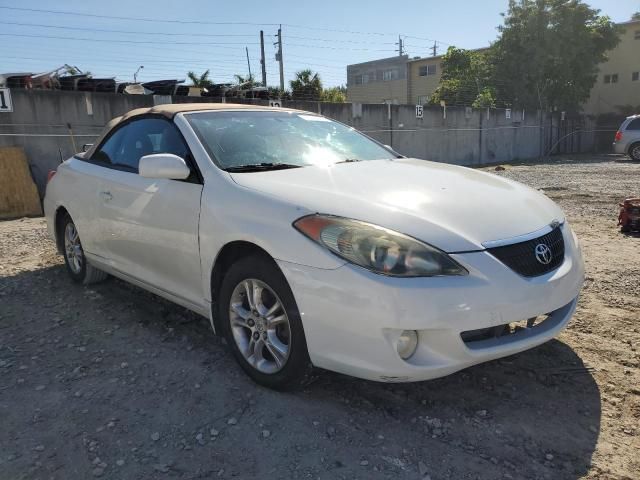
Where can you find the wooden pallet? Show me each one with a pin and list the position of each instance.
(18, 194)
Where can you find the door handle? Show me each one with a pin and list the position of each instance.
(106, 196)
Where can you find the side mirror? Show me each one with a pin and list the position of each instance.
(163, 165)
(86, 146)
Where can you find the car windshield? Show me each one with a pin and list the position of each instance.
(275, 139)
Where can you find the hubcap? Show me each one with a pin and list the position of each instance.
(73, 248)
(260, 325)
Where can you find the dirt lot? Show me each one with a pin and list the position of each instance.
(112, 382)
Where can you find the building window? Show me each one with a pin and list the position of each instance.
(362, 79)
(389, 75)
(423, 99)
(635, 76)
(614, 78)
(427, 70)
(607, 79)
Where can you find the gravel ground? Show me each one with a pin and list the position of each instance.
(113, 382)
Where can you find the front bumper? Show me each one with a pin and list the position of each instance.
(352, 318)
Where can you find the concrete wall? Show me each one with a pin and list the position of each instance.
(39, 121)
(51, 125)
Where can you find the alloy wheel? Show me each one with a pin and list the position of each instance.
(73, 248)
(260, 326)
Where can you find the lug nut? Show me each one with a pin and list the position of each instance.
(250, 322)
(256, 335)
(264, 335)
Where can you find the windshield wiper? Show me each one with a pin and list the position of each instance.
(260, 167)
(350, 160)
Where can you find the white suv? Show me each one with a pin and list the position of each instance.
(306, 243)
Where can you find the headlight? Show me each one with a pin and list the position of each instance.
(377, 249)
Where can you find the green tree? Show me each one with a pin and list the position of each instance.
(306, 86)
(201, 81)
(636, 16)
(334, 94)
(548, 53)
(465, 80)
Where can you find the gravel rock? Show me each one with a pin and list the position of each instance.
(45, 319)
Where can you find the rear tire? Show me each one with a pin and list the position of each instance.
(264, 329)
(78, 268)
(634, 152)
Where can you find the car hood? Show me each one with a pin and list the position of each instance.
(453, 208)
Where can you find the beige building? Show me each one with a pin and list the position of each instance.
(423, 78)
(618, 82)
(413, 81)
(379, 81)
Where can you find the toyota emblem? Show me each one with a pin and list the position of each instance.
(543, 254)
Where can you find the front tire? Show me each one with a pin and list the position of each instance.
(78, 268)
(261, 322)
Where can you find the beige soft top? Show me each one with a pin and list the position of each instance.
(170, 110)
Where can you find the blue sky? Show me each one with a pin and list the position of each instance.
(323, 35)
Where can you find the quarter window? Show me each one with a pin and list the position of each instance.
(124, 148)
(634, 124)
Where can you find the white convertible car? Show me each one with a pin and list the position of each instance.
(306, 243)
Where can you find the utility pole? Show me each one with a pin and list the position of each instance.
(400, 46)
(248, 62)
(279, 58)
(262, 60)
(246, 49)
(435, 48)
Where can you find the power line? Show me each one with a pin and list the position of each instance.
(137, 32)
(106, 30)
(201, 22)
(151, 42)
(137, 19)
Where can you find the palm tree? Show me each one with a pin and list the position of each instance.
(201, 81)
(306, 86)
(249, 79)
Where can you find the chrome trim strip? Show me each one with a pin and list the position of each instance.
(523, 238)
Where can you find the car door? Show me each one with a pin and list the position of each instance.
(150, 226)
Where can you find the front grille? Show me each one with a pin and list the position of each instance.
(521, 257)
